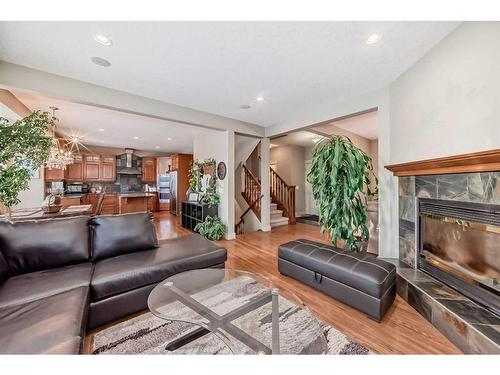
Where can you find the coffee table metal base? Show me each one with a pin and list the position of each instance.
(219, 324)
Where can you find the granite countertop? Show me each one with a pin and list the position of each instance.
(73, 195)
(136, 195)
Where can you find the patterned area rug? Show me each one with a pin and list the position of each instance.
(300, 331)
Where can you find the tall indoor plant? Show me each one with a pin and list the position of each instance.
(24, 147)
(340, 176)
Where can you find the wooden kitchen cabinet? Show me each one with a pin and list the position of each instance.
(149, 169)
(175, 162)
(71, 201)
(109, 205)
(107, 168)
(74, 172)
(92, 199)
(92, 166)
(54, 174)
(154, 203)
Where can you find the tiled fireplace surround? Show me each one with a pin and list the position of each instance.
(469, 326)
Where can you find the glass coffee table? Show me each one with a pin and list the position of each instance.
(235, 306)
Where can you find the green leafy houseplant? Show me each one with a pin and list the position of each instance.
(194, 175)
(211, 198)
(340, 178)
(24, 147)
(212, 228)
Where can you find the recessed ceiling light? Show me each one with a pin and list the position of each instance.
(102, 141)
(244, 106)
(374, 38)
(103, 39)
(259, 98)
(100, 61)
(157, 146)
(101, 129)
(136, 137)
(169, 139)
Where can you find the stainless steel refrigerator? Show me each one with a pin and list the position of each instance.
(173, 193)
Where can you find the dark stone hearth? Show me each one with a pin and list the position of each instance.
(471, 312)
(420, 301)
(470, 327)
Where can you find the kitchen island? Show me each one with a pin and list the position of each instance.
(135, 202)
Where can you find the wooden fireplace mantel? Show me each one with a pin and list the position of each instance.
(484, 161)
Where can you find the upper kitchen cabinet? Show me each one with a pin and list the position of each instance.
(92, 166)
(107, 170)
(149, 169)
(74, 172)
(54, 174)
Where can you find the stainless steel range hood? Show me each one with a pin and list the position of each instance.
(129, 169)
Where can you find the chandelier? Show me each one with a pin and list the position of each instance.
(58, 157)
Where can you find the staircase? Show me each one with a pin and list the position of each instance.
(277, 218)
(282, 197)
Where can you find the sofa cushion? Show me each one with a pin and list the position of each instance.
(361, 271)
(28, 287)
(4, 269)
(30, 246)
(126, 272)
(122, 234)
(52, 325)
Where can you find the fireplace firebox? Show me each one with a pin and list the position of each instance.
(459, 244)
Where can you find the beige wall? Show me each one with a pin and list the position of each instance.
(220, 146)
(290, 165)
(448, 103)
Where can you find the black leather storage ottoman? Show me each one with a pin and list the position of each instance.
(359, 280)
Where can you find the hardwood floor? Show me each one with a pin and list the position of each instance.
(403, 330)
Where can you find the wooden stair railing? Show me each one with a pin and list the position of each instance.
(238, 228)
(283, 194)
(252, 191)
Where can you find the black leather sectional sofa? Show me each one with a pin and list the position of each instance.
(62, 277)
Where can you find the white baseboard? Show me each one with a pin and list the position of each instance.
(266, 228)
(230, 236)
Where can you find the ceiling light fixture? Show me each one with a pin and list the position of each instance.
(136, 137)
(374, 38)
(169, 139)
(101, 129)
(59, 157)
(103, 39)
(244, 106)
(259, 98)
(157, 147)
(100, 61)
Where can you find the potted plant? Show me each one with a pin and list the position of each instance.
(340, 176)
(211, 198)
(24, 147)
(212, 228)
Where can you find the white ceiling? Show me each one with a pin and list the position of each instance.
(364, 125)
(300, 138)
(218, 66)
(119, 128)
